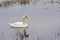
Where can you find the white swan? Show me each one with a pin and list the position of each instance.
(19, 24)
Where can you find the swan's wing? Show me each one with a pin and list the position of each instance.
(13, 24)
(18, 24)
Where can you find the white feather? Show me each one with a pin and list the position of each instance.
(18, 24)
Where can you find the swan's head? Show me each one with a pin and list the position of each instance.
(24, 18)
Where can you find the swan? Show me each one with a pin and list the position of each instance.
(20, 24)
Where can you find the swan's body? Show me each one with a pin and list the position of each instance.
(19, 24)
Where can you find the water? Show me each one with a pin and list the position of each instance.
(43, 21)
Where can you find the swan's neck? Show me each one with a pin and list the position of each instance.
(24, 19)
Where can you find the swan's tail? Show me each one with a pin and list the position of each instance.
(10, 24)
